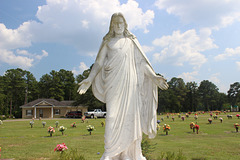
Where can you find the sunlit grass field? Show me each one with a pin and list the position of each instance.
(216, 141)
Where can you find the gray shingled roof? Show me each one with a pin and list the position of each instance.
(51, 101)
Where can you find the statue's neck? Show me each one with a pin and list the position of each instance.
(118, 36)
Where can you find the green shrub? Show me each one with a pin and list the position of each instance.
(73, 154)
(172, 156)
(147, 147)
(3, 117)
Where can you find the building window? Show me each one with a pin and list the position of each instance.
(29, 112)
(56, 111)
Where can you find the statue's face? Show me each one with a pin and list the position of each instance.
(118, 25)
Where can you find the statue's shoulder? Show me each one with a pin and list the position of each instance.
(135, 41)
(105, 43)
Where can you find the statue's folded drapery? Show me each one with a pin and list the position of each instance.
(130, 97)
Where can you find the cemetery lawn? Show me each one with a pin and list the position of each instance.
(214, 141)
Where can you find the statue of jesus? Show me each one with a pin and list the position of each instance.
(123, 78)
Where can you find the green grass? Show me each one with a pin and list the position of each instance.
(214, 141)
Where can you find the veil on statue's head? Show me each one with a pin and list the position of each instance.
(111, 33)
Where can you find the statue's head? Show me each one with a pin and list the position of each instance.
(118, 24)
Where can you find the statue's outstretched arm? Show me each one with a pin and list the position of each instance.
(158, 80)
(86, 83)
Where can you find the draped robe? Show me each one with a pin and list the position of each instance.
(130, 97)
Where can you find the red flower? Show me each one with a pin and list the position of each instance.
(197, 126)
(60, 147)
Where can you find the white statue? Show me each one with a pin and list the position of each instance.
(123, 78)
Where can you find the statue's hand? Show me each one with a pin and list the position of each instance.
(161, 82)
(83, 86)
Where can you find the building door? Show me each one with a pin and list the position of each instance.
(41, 113)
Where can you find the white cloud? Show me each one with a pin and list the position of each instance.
(83, 23)
(79, 23)
(223, 88)
(217, 81)
(189, 76)
(20, 58)
(229, 52)
(82, 67)
(213, 13)
(14, 38)
(214, 78)
(147, 49)
(23, 52)
(135, 17)
(44, 54)
(10, 58)
(92, 54)
(180, 48)
(34, 56)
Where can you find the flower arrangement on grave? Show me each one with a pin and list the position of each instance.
(236, 126)
(31, 123)
(95, 117)
(179, 115)
(1, 122)
(197, 127)
(215, 116)
(238, 115)
(158, 127)
(211, 114)
(224, 112)
(61, 147)
(229, 116)
(166, 128)
(158, 121)
(221, 119)
(162, 119)
(56, 123)
(103, 123)
(173, 118)
(210, 120)
(43, 123)
(62, 129)
(74, 125)
(192, 125)
(196, 117)
(51, 130)
(187, 115)
(167, 115)
(90, 128)
(183, 118)
(83, 119)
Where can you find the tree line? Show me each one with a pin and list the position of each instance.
(18, 87)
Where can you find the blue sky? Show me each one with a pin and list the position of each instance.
(190, 39)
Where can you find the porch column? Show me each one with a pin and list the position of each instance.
(52, 112)
(35, 112)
